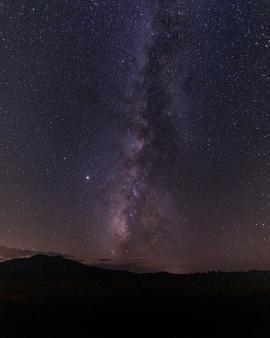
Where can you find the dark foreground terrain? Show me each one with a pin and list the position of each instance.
(54, 297)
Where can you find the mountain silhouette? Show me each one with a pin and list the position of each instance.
(7, 253)
(43, 267)
(54, 296)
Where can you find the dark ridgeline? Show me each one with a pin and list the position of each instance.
(52, 268)
(57, 297)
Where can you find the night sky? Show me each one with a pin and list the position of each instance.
(135, 133)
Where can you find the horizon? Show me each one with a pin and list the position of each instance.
(105, 265)
(117, 268)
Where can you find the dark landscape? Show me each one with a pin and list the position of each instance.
(46, 296)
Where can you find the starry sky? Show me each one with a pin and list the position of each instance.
(135, 133)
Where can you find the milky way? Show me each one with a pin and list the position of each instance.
(145, 209)
(135, 134)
